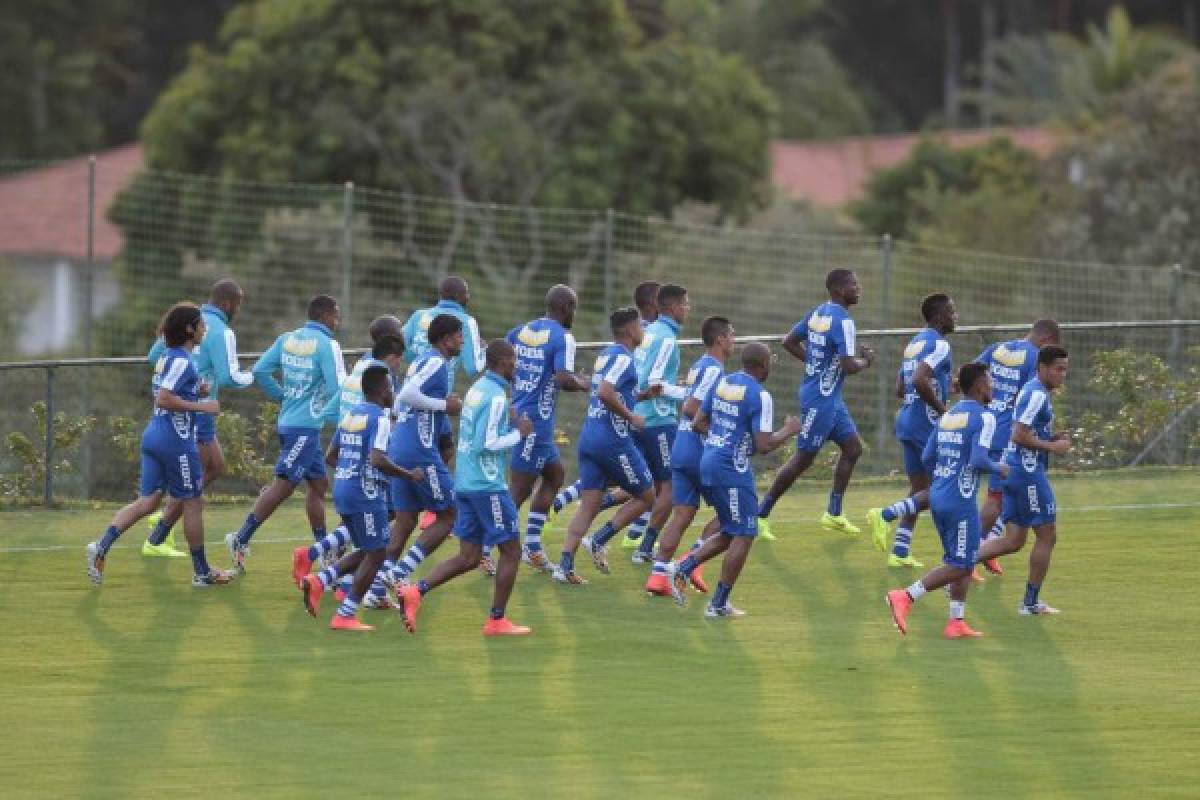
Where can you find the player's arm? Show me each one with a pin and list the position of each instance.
(413, 390)
(409, 331)
(565, 376)
(796, 343)
(226, 367)
(702, 388)
(331, 452)
(1024, 417)
(846, 340)
(658, 371)
(379, 458)
(900, 384)
(168, 400)
(156, 350)
(981, 446)
(497, 442)
(924, 381)
(265, 368)
(473, 357)
(607, 391)
(333, 372)
(765, 439)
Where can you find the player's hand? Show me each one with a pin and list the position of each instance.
(453, 405)
(415, 475)
(791, 424)
(867, 354)
(203, 390)
(209, 407)
(525, 426)
(637, 421)
(651, 391)
(1061, 444)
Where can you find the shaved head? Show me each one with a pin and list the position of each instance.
(561, 302)
(454, 288)
(225, 291)
(385, 325)
(756, 354)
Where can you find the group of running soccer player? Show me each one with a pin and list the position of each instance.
(651, 443)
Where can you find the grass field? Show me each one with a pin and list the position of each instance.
(147, 687)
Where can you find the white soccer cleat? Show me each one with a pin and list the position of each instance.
(536, 559)
(713, 612)
(567, 578)
(1037, 609)
(95, 563)
(639, 557)
(237, 551)
(599, 554)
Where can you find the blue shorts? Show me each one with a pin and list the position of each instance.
(206, 428)
(368, 529)
(1028, 500)
(620, 463)
(736, 507)
(995, 482)
(435, 493)
(177, 471)
(958, 527)
(686, 488)
(300, 457)
(913, 465)
(655, 444)
(535, 452)
(486, 518)
(825, 423)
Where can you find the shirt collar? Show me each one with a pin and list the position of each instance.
(497, 377)
(209, 308)
(312, 324)
(450, 304)
(670, 323)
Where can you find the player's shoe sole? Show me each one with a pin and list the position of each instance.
(658, 585)
(237, 553)
(992, 565)
(903, 561)
(340, 623)
(725, 611)
(697, 580)
(95, 563)
(599, 554)
(879, 529)
(215, 577)
(839, 524)
(959, 629)
(504, 627)
(900, 604)
(410, 604)
(301, 564)
(311, 590)
(1036, 610)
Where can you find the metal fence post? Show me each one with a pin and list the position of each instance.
(89, 293)
(1175, 448)
(881, 373)
(347, 249)
(48, 487)
(608, 269)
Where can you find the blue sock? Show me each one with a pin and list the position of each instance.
(903, 543)
(764, 508)
(497, 612)
(330, 542)
(567, 496)
(687, 565)
(247, 530)
(328, 577)
(567, 562)
(349, 606)
(638, 528)
(160, 533)
(835, 504)
(378, 587)
(903, 508)
(647, 545)
(318, 533)
(412, 559)
(199, 562)
(533, 531)
(108, 539)
(1031, 594)
(608, 501)
(345, 583)
(721, 595)
(423, 587)
(606, 533)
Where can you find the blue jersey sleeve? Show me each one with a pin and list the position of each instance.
(981, 444)
(222, 354)
(333, 372)
(511, 336)
(801, 328)
(472, 352)
(843, 333)
(410, 336)
(156, 350)
(929, 454)
(265, 368)
(986, 356)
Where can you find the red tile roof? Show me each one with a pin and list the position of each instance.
(44, 211)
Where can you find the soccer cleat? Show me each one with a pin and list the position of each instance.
(1036, 610)
(903, 561)
(215, 577)
(569, 578)
(504, 627)
(410, 604)
(487, 566)
(992, 565)
(839, 524)
(153, 520)
(697, 580)
(642, 557)
(959, 629)
(426, 519)
(340, 623)
(976, 575)
(301, 564)
(879, 530)
(163, 550)
(713, 612)
(630, 541)
(536, 559)
(341, 594)
(311, 590)
(599, 554)
(95, 564)
(677, 584)
(376, 602)
(237, 551)
(658, 585)
(764, 530)
(900, 604)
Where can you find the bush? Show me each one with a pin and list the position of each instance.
(25, 483)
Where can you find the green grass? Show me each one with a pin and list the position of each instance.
(147, 687)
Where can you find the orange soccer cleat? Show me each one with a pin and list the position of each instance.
(301, 564)
(992, 565)
(900, 604)
(959, 629)
(504, 627)
(426, 519)
(658, 585)
(697, 579)
(340, 623)
(410, 604)
(311, 590)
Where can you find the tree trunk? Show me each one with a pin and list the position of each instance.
(953, 54)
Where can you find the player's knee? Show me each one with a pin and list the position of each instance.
(852, 449)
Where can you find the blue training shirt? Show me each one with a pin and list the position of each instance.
(358, 486)
(216, 357)
(175, 372)
(417, 344)
(1033, 408)
(829, 335)
(543, 347)
(701, 379)
(657, 363)
(614, 366)
(484, 437)
(957, 454)
(415, 436)
(917, 418)
(737, 408)
(310, 360)
(1012, 365)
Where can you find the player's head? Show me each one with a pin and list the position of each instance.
(672, 300)
(446, 334)
(1052, 366)
(455, 288)
(626, 326)
(390, 350)
(1044, 332)
(182, 325)
(756, 360)
(226, 295)
(324, 309)
(501, 358)
(717, 334)
(975, 382)
(645, 297)
(561, 303)
(377, 385)
(843, 286)
(385, 325)
(939, 312)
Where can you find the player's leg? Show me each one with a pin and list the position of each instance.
(123, 520)
(269, 499)
(585, 514)
(369, 532)
(597, 543)
(498, 623)
(792, 469)
(427, 543)
(844, 434)
(991, 520)
(552, 478)
(958, 528)
(404, 522)
(918, 482)
(193, 532)
(1045, 537)
(731, 567)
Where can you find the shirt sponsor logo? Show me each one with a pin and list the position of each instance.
(298, 346)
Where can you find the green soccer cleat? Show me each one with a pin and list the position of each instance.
(164, 550)
(839, 524)
(880, 529)
(764, 530)
(906, 561)
(630, 542)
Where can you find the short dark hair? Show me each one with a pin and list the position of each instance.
(321, 305)
(1046, 329)
(646, 293)
(225, 290)
(388, 345)
(374, 379)
(670, 293)
(179, 323)
(443, 325)
(969, 374)
(932, 305)
(838, 278)
(497, 350)
(385, 325)
(618, 319)
(1051, 353)
(712, 328)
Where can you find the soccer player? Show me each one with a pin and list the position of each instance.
(956, 455)
(1028, 498)
(645, 299)
(923, 383)
(358, 456)
(686, 488)
(738, 417)
(545, 364)
(657, 364)
(607, 453)
(217, 364)
(170, 457)
(487, 516)
(825, 340)
(310, 362)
